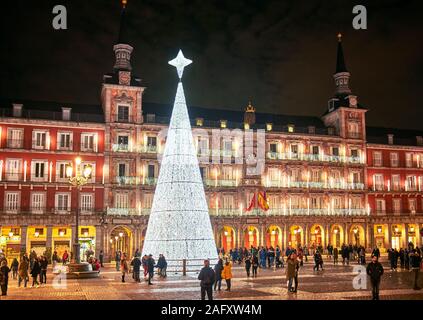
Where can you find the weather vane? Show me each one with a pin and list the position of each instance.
(180, 62)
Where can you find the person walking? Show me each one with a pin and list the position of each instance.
(375, 271)
(227, 275)
(255, 264)
(4, 277)
(150, 268)
(136, 268)
(292, 266)
(101, 258)
(14, 267)
(65, 257)
(162, 265)
(207, 278)
(43, 267)
(218, 268)
(55, 259)
(248, 266)
(124, 266)
(118, 258)
(316, 261)
(23, 271)
(35, 272)
(415, 264)
(144, 262)
(335, 255)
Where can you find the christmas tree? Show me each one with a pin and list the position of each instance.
(179, 226)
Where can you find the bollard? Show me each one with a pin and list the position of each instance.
(184, 267)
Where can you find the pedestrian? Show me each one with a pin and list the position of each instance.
(4, 277)
(101, 258)
(255, 264)
(207, 278)
(375, 271)
(43, 266)
(162, 265)
(32, 257)
(35, 272)
(136, 268)
(14, 267)
(124, 266)
(227, 275)
(292, 267)
(218, 268)
(23, 271)
(316, 261)
(415, 264)
(118, 257)
(150, 268)
(402, 259)
(335, 255)
(65, 257)
(248, 266)
(144, 262)
(54, 259)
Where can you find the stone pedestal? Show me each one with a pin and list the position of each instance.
(81, 271)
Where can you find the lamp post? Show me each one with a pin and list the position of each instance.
(77, 177)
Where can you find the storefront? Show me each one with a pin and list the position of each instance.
(61, 237)
(380, 235)
(37, 239)
(396, 242)
(412, 234)
(10, 242)
(87, 242)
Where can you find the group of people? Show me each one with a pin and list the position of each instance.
(210, 278)
(34, 266)
(147, 262)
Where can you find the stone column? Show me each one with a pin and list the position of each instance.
(306, 238)
(262, 236)
(99, 240)
(285, 240)
(24, 238)
(346, 233)
(49, 242)
(388, 241)
(405, 237)
(327, 237)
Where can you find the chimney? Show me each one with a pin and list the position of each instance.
(390, 139)
(17, 110)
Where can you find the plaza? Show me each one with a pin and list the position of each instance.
(333, 283)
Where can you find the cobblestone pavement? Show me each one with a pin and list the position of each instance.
(333, 283)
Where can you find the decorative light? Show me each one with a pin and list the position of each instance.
(86, 234)
(10, 234)
(87, 171)
(379, 229)
(179, 226)
(411, 229)
(396, 229)
(355, 230)
(116, 237)
(36, 234)
(273, 232)
(316, 231)
(78, 161)
(336, 231)
(121, 234)
(269, 126)
(61, 233)
(226, 233)
(111, 240)
(295, 231)
(69, 171)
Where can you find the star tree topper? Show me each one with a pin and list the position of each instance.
(180, 62)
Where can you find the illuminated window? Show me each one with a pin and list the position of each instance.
(246, 126)
(199, 122)
(269, 126)
(291, 128)
(223, 123)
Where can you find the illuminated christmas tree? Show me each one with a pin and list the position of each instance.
(179, 226)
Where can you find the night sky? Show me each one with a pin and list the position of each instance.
(279, 53)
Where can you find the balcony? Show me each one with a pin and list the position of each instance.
(313, 185)
(15, 143)
(127, 212)
(314, 157)
(224, 212)
(221, 183)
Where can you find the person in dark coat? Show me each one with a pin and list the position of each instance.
(4, 277)
(255, 264)
(137, 267)
(335, 255)
(162, 265)
(375, 271)
(150, 268)
(43, 266)
(207, 278)
(402, 259)
(415, 261)
(35, 272)
(248, 266)
(101, 258)
(218, 268)
(14, 267)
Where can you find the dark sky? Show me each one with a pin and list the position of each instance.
(279, 53)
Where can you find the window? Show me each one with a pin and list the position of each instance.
(12, 202)
(380, 206)
(353, 130)
(336, 202)
(63, 202)
(394, 159)
(86, 202)
(91, 178)
(228, 202)
(356, 177)
(315, 175)
(199, 122)
(122, 200)
(412, 205)
(395, 182)
(123, 142)
(377, 158)
(295, 175)
(294, 150)
(315, 150)
(411, 183)
(378, 182)
(88, 142)
(396, 205)
(408, 160)
(38, 202)
(39, 170)
(152, 141)
(273, 174)
(227, 148)
(15, 138)
(123, 114)
(316, 202)
(273, 147)
(61, 171)
(13, 169)
(148, 200)
(291, 128)
(39, 139)
(64, 141)
(335, 151)
(150, 171)
(354, 154)
(356, 203)
(203, 146)
(227, 173)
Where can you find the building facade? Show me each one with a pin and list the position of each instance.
(327, 180)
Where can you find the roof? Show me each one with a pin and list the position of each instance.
(53, 110)
(402, 137)
(340, 59)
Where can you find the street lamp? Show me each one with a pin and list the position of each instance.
(78, 178)
(10, 234)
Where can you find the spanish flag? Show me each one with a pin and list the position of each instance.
(262, 201)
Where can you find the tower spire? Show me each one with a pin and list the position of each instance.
(122, 48)
(341, 76)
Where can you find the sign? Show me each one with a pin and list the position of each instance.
(252, 221)
(122, 221)
(358, 220)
